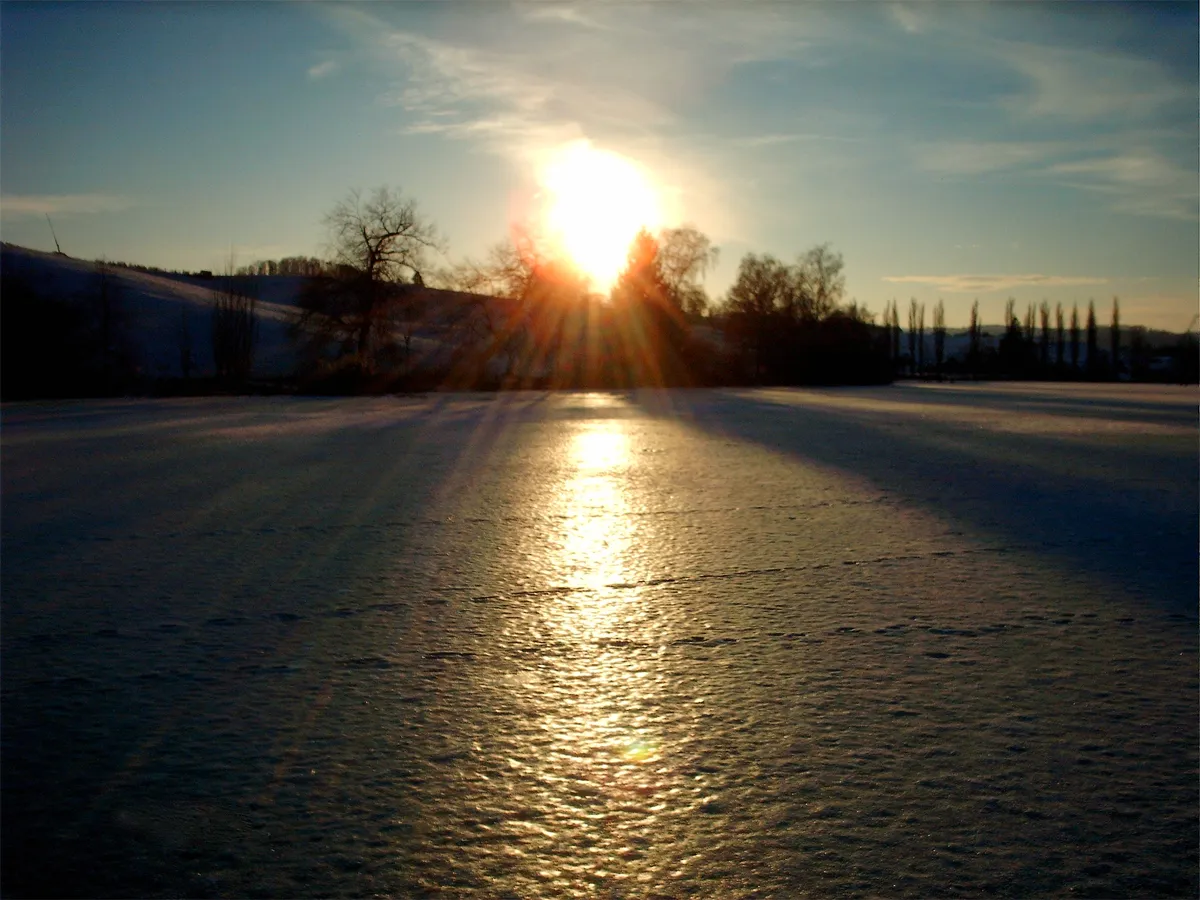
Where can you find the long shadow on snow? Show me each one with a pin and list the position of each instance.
(1023, 490)
(1077, 400)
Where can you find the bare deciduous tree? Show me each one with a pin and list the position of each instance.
(234, 327)
(820, 282)
(382, 237)
(762, 292)
(684, 256)
(542, 291)
(377, 243)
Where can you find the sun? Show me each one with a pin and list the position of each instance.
(594, 203)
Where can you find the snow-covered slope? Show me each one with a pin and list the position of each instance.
(154, 308)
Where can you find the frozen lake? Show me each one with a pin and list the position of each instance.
(912, 641)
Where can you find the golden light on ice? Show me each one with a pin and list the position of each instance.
(597, 449)
(601, 764)
(594, 545)
(595, 202)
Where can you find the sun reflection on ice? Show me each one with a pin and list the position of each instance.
(610, 778)
(604, 720)
(595, 542)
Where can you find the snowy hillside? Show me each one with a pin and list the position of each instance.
(155, 307)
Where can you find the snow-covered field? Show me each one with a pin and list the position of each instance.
(152, 308)
(912, 641)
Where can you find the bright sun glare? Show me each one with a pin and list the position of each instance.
(596, 201)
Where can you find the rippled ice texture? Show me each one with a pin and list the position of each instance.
(914, 641)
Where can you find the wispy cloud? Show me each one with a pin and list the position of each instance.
(1089, 118)
(1138, 180)
(565, 14)
(519, 86)
(18, 205)
(631, 77)
(983, 284)
(1080, 85)
(1141, 182)
(980, 157)
(771, 140)
(623, 71)
(322, 69)
(907, 18)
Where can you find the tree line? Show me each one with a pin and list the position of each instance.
(524, 317)
(1038, 345)
(378, 313)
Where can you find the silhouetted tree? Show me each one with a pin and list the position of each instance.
(1015, 345)
(1093, 360)
(651, 327)
(887, 331)
(234, 328)
(1075, 337)
(819, 282)
(921, 338)
(378, 243)
(1060, 342)
(1012, 328)
(895, 335)
(508, 271)
(1115, 338)
(939, 335)
(891, 322)
(1138, 353)
(513, 271)
(791, 325)
(1044, 311)
(760, 299)
(684, 256)
(912, 335)
(973, 342)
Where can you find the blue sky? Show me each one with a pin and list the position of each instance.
(961, 151)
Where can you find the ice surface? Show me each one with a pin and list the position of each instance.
(912, 641)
